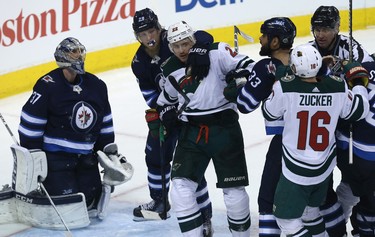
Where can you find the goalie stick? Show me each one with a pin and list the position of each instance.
(68, 232)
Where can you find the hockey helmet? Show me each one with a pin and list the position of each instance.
(180, 31)
(145, 19)
(305, 61)
(282, 28)
(70, 53)
(326, 16)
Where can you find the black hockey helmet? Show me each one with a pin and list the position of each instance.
(282, 28)
(145, 19)
(325, 16)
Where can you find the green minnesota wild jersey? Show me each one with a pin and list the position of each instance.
(206, 96)
(311, 112)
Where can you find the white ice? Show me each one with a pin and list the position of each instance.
(128, 109)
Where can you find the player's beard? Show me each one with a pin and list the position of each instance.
(265, 50)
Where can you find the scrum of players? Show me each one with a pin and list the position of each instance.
(316, 99)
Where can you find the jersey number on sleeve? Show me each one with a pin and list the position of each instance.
(317, 136)
(35, 97)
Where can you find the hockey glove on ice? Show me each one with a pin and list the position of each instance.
(153, 122)
(355, 74)
(168, 117)
(198, 61)
(236, 79)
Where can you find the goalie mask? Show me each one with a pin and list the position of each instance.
(178, 32)
(326, 16)
(305, 61)
(70, 53)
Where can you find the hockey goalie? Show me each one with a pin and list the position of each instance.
(65, 131)
(28, 202)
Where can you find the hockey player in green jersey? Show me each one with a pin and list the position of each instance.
(311, 107)
(210, 130)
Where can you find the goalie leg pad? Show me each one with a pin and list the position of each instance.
(38, 211)
(8, 213)
(30, 167)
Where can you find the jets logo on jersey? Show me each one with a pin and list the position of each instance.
(155, 59)
(77, 88)
(83, 117)
(135, 59)
(48, 78)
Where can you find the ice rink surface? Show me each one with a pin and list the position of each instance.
(128, 108)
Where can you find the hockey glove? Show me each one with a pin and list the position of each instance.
(153, 122)
(236, 79)
(116, 168)
(355, 74)
(168, 117)
(198, 61)
(239, 75)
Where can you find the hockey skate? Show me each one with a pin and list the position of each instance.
(150, 211)
(207, 229)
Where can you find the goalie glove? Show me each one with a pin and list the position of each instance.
(355, 74)
(116, 168)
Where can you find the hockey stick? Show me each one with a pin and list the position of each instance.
(163, 215)
(174, 83)
(350, 59)
(68, 232)
(177, 87)
(236, 30)
(245, 36)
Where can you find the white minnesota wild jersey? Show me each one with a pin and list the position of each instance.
(311, 112)
(206, 96)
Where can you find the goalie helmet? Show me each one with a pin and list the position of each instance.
(70, 53)
(145, 19)
(326, 16)
(282, 28)
(305, 61)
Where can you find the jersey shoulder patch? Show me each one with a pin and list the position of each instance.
(47, 79)
(288, 78)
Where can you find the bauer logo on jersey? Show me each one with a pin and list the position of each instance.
(83, 117)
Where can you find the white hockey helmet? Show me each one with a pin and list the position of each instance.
(180, 31)
(305, 61)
